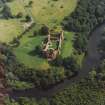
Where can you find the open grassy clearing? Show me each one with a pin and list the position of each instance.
(16, 7)
(67, 47)
(27, 46)
(9, 29)
(31, 61)
(52, 12)
(48, 12)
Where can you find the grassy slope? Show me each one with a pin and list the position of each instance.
(9, 29)
(67, 47)
(16, 7)
(45, 11)
(28, 45)
(50, 12)
(12, 27)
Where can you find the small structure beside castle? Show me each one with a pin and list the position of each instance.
(48, 49)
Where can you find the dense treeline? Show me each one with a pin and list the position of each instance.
(40, 78)
(88, 92)
(25, 101)
(23, 77)
(88, 14)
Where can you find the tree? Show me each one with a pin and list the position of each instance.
(9, 101)
(30, 3)
(92, 75)
(44, 30)
(44, 101)
(28, 18)
(58, 61)
(19, 15)
(80, 42)
(70, 63)
(7, 12)
(38, 50)
(27, 101)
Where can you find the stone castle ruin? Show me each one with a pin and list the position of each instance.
(49, 51)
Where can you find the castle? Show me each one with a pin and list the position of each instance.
(48, 50)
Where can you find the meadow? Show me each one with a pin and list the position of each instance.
(9, 29)
(49, 12)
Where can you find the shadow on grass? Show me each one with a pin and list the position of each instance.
(36, 52)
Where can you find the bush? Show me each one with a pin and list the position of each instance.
(28, 18)
(44, 30)
(19, 15)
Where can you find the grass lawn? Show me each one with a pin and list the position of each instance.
(48, 12)
(16, 7)
(31, 61)
(9, 29)
(67, 46)
(52, 12)
(26, 47)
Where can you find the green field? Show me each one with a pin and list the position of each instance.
(67, 47)
(27, 46)
(48, 12)
(9, 29)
